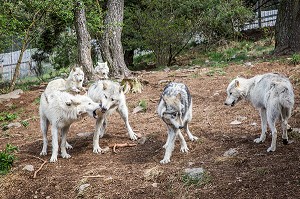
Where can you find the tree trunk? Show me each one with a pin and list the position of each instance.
(111, 46)
(287, 29)
(83, 41)
(18, 66)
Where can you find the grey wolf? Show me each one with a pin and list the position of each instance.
(111, 97)
(102, 70)
(61, 109)
(72, 84)
(272, 94)
(175, 109)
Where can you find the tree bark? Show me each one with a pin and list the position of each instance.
(287, 29)
(111, 46)
(83, 41)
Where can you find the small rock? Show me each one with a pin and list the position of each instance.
(28, 167)
(35, 196)
(138, 109)
(248, 64)
(241, 118)
(235, 122)
(155, 184)
(152, 173)
(83, 187)
(231, 152)
(194, 172)
(254, 124)
(14, 124)
(48, 197)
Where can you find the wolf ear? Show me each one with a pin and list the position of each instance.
(74, 102)
(104, 86)
(236, 83)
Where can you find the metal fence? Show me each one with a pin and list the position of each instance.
(8, 62)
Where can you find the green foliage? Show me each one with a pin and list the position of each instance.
(201, 180)
(143, 104)
(295, 60)
(25, 123)
(5, 116)
(7, 158)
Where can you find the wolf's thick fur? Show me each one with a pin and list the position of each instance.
(175, 109)
(61, 109)
(72, 84)
(272, 94)
(102, 70)
(111, 97)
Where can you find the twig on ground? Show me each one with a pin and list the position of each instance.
(44, 162)
(97, 176)
(115, 145)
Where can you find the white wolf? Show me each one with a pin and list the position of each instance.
(102, 70)
(272, 94)
(61, 109)
(72, 83)
(175, 109)
(111, 97)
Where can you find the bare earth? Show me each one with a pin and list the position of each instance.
(253, 173)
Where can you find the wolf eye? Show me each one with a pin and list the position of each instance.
(174, 114)
(112, 99)
(105, 96)
(90, 103)
(230, 93)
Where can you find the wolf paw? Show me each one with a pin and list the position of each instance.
(165, 161)
(68, 146)
(258, 140)
(97, 150)
(53, 159)
(43, 153)
(133, 136)
(194, 138)
(65, 155)
(184, 149)
(271, 149)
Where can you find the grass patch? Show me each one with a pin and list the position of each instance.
(5, 116)
(199, 180)
(7, 158)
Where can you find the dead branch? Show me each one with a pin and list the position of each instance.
(44, 162)
(115, 145)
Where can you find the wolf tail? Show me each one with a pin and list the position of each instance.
(286, 95)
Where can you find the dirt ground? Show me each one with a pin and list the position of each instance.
(135, 172)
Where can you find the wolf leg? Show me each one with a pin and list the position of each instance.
(191, 136)
(184, 148)
(263, 117)
(97, 133)
(284, 125)
(168, 138)
(271, 122)
(54, 131)
(122, 109)
(44, 122)
(68, 146)
(64, 133)
(169, 148)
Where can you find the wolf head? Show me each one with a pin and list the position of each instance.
(171, 112)
(235, 91)
(76, 75)
(102, 70)
(83, 105)
(111, 95)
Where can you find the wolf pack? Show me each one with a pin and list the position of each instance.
(62, 104)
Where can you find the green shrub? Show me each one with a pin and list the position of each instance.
(7, 158)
